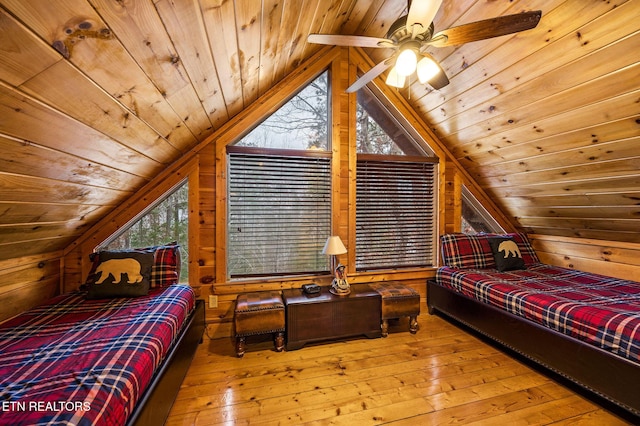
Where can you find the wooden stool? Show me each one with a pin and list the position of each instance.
(398, 301)
(259, 313)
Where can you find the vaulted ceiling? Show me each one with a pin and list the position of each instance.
(98, 96)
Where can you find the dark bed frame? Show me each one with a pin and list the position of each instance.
(607, 375)
(155, 404)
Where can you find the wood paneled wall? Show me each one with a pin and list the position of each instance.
(27, 281)
(612, 258)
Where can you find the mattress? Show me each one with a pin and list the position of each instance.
(602, 311)
(86, 362)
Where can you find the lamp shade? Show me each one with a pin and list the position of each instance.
(334, 246)
(395, 80)
(427, 69)
(406, 62)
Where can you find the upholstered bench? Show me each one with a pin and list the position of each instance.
(259, 313)
(398, 301)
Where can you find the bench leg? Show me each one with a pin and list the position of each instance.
(241, 346)
(279, 341)
(385, 327)
(413, 324)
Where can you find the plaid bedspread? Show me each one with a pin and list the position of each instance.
(600, 310)
(74, 361)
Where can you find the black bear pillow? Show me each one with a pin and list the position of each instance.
(506, 254)
(120, 274)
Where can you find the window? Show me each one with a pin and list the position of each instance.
(279, 213)
(378, 131)
(163, 222)
(475, 218)
(279, 190)
(395, 212)
(395, 197)
(302, 123)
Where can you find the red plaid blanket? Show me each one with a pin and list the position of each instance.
(74, 361)
(600, 310)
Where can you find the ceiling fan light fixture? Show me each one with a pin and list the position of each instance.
(395, 80)
(406, 62)
(427, 68)
(411, 34)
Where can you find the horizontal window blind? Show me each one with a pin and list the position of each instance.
(395, 215)
(279, 213)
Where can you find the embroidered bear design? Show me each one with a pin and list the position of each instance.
(117, 267)
(509, 248)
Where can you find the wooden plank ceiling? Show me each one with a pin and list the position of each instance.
(98, 96)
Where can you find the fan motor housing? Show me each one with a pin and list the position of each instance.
(398, 31)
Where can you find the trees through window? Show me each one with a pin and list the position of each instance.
(301, 123)
(475, 218)
(163, 222)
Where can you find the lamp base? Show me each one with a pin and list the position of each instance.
(340, 287)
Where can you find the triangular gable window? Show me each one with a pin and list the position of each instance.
(301, 124)
(164, 221)
(378, 131)
(475, 218)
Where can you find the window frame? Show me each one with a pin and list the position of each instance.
(420, 151)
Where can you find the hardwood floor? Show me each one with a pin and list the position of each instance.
(441, 375)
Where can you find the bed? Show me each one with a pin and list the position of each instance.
(583, 326)
(101, 360)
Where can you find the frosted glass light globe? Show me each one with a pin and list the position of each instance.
(427, 69)
(406, 62)
(395, 80)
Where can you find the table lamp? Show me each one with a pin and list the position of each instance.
(334, 247)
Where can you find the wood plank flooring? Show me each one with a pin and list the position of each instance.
(441, 375)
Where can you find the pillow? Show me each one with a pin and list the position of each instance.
(466, 251)
(526, 249)
(120, 274)
(165, 270)
(506, 254)
(166, 265)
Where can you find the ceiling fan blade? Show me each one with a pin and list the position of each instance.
(350, 40)
(487, 28)
(370, 75)
(422, 12)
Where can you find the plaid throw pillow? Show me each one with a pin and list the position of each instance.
(466, 251)
(166, 266)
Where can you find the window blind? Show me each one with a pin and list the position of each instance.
(279, 212)
(395, 215)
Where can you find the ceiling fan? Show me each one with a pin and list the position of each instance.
(411, 35)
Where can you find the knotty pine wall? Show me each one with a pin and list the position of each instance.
(613, 258)
(26, 281)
